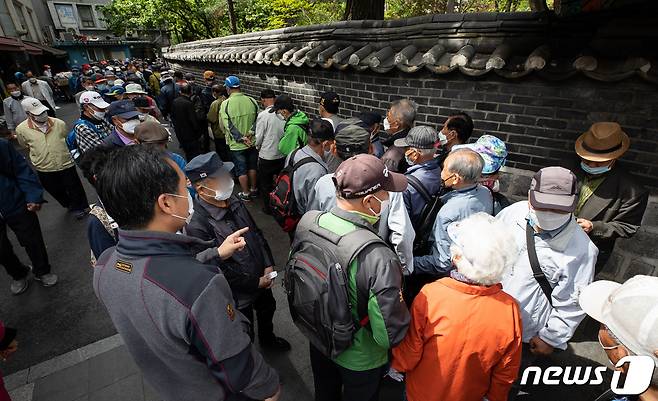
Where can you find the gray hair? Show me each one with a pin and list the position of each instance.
(405, 111)
(427, 152)
(465, 163)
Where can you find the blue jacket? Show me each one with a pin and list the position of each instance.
(429, 174)
(18, 183)
(457, 205)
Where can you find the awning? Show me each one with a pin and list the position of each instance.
(47, 49)
(10, 44)
(31, 49)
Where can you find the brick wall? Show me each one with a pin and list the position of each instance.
(538, 119)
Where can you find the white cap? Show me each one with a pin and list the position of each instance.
(94, 98)
(109, 68)
(119, 82)
(134, 88)
(630, 311)
(33, 106)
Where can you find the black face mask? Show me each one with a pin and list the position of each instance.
(444, 188)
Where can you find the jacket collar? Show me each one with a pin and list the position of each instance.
(353, 218)
(33, 126)
(217, 213)
(428, 165)
(470, 289)
(154, 243)
(561, 240)
(400, 134)
(307, 150)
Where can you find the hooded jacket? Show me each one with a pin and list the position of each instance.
(294, 133)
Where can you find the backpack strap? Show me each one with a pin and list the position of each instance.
(419, 187)
(537, 272)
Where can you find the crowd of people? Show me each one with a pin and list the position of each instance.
(405, 260)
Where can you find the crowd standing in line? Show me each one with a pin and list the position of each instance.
(405, 258)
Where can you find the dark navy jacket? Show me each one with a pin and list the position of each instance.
(18, 183)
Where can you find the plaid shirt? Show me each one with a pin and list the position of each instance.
(88, 138)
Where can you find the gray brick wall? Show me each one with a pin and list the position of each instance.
(538, 119)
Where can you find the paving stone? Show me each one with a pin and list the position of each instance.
(23, 393)
(16, 380)
(149, 392)
(128, 389)
(65, 385)
(110, 367)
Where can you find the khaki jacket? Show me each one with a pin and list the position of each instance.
(47, 151)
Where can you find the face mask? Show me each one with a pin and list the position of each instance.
(190, 207)
(387, 125)
(442, 138)
(546, 220)
(130, 125)
(110, 83)
(99, 115)
(282, 118)
(33, 80)
(382, 206)
(407, 158)
(493, 185)
(89, 87)
(16, 94)
(372, 220)
(444, 182)
(594, 170)
(41, 118)
(223, 195)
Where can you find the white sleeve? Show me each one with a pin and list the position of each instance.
(402, 234)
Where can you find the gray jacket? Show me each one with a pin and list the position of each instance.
(269, 131)
(305, 177)
(14, 113)
(178, 321)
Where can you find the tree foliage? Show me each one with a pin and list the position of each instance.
(186, 20)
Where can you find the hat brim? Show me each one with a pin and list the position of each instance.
(100, 103)
(401, 143)
(564, 203)
(602, 157)
(136, 93)
(128, 115)
(396, 183)
(39, 110)
(594, 297)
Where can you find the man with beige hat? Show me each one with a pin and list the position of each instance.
(611, 203)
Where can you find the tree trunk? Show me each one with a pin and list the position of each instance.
(231, 17)
(538, 5)
(365, 9)
(450, 6)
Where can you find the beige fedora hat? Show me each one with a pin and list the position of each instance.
(602, 142)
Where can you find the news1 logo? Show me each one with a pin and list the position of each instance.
(635, 381)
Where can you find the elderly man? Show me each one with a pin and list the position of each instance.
(556, 262)
(629, 324)
(611, 204)
(14, 113)
(40, 90)
(445, 354)
(45, 140)
(399, 120)
(92, 127)
(125, 118)
(460, 175)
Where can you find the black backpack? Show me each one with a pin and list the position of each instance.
(282, 197)
(424, 223)
(316, 283)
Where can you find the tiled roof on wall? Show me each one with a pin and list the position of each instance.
(606, 47)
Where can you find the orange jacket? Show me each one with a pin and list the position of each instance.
(463, 343)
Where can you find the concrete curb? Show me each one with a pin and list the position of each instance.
(21, 384)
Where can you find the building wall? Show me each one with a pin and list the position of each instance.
(538, 119)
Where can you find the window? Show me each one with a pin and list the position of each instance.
(66, 16)
(21, 18)
(86, 16)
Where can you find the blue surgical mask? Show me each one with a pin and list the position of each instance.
(594, 170)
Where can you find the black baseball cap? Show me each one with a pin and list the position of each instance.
(371, 117)
(283, 102)
(206, 165)
(321, 129)
(123, 109)
(330, 101)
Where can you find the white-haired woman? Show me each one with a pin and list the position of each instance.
(464, 340)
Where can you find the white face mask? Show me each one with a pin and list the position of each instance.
(15, 93)
(383, 205)
(130, 125)
(33, 80)
(89, 87)
(547, 220)
(442, 138)
(225, 194)
(41, 118)
(190, 207)
(99, 115)
(387, 125)
(282, 118)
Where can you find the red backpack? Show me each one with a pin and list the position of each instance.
(282, 198)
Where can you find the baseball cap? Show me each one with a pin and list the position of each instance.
(365, 174)
(629, 311)
(371, 117)
(95, 98)
(419, 137)
(208, 75)
(352, 139)
(206, 165)
(122, 108)
(330, 101)
(283, 102)
(33, 106)
(135, 88)
(267, 94)
(189, 76)
(109, 74)
(492, 150)
(116, 90)
(142, 103)
(554, 188)
(321, 129)
(151, 132)
(232, 82)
